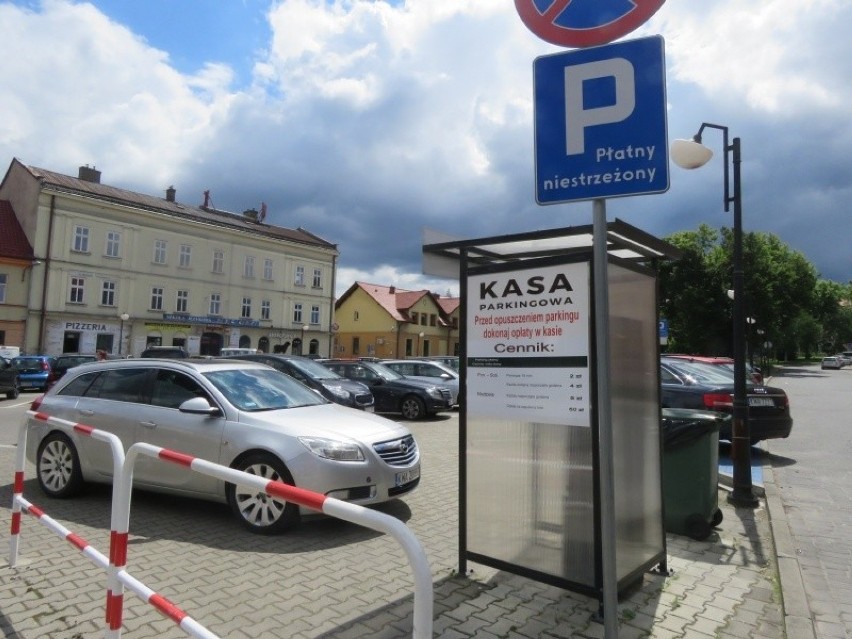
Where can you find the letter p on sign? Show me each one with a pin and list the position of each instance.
(577, 117)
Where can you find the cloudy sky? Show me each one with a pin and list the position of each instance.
(365, 121)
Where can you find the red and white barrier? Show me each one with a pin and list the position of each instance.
(117, 576)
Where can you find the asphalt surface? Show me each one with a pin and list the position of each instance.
(333, 579)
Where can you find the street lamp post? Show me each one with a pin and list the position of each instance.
(691, 154)
(123, 317)
(305, 327)
(419, 339)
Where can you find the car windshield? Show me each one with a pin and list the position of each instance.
(384, 372)
(314, 370)
(27, 363)
(706, 373)
(262, 389)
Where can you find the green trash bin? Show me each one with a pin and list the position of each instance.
(691, 471)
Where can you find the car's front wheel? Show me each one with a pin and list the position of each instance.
(58, 466)
(412, 407)
(255, 509)
(14, 392)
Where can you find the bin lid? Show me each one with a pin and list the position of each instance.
(681, 426)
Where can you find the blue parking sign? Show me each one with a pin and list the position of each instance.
(600, 122)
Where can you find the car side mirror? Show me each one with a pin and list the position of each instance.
(199, 406)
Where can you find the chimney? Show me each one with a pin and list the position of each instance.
(170, 194)
(392, 290)
(89, 174)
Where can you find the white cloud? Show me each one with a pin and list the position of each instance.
(87, 90)
(367, 120)
(761, 51)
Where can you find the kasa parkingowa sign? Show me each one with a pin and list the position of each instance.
(528, 345)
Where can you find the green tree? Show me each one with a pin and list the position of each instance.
(780, 293)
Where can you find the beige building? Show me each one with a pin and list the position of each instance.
(373, 320)
(96, 267)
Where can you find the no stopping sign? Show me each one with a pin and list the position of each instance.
(584, 23)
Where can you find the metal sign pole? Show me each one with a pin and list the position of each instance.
(604, 409)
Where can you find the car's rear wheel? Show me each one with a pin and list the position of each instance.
(256, 510)
(412, 407)
(58, 466)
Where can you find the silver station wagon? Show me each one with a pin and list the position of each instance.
(239, 414)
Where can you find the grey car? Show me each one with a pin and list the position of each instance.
(239, 414)
(427, 371)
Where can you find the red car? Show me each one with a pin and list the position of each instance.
(728, 362)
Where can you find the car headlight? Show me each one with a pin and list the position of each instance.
(435, 392)
(333, 449)
(338, 391)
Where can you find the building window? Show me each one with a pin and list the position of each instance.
(315, 318)
(267, 269)
(76, 293)
(246, 310)
(433, 320)
(300, 276)
(218, 262)
(81, 239)
(3, 291)
(265, 310)
(160, 251)
(317, 283)
(182, 302)
(356, 345)
(355, 316)
(297, 312)
(215, 304)
(414, 317)
(108, 294)
(185, 255)
(248, 267)
(113, 244)
(156, 299)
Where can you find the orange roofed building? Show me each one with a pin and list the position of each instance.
(372, 320)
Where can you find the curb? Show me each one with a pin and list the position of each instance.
(797, 615)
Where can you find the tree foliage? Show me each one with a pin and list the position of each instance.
(788, 306)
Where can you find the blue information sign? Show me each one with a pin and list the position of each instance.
(600, 122)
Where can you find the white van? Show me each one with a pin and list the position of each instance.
(226, 352)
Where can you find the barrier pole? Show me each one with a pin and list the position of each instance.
(380, 522)
(115, 589)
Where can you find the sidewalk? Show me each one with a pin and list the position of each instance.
(332, 580)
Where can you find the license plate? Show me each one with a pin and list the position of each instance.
(407, 476)
(760, 401)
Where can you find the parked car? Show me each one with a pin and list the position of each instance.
(831, 362)
(427, 371)
(698, 385)
(754, 372)
(447, 360)
(63, 362)
(169, 352)
(9, 383)
(239, 414)
(329, 384)
(414, 399)
(34, 371)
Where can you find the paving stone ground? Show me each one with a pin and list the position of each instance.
(330, 579)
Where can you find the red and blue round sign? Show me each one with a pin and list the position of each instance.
(584, 23)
